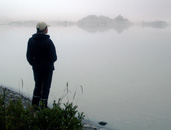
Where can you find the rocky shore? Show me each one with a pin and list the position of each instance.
(12, 95)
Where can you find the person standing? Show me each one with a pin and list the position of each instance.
(41, 55)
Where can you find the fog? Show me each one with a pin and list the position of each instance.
(119, 51)
(93, 23)
(69, 10)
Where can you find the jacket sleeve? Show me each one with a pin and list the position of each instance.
(29, 53)
(53, 52)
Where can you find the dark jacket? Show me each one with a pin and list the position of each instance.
(41, 52)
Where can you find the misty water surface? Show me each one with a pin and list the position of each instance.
(125, 75)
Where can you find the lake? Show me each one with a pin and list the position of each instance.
(122, 77)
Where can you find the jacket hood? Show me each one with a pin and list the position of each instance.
(40, 36)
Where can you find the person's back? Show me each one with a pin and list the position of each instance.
(41, 52)
(41, 55)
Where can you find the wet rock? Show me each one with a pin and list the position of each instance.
(89, 127)
(14, 96)
(102, 123)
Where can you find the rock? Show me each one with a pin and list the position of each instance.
(11, 95)
(102, 123)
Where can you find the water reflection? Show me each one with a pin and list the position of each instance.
(93, 24)
(155, 24)
(126, 75)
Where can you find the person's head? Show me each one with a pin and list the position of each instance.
(42, 27)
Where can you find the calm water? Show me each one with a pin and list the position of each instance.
(125, 75)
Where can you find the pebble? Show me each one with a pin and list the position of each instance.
(102, 123)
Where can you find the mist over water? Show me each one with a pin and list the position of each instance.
(124, 69)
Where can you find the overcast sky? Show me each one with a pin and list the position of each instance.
(73, 10)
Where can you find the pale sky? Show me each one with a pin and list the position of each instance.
(73, 10)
